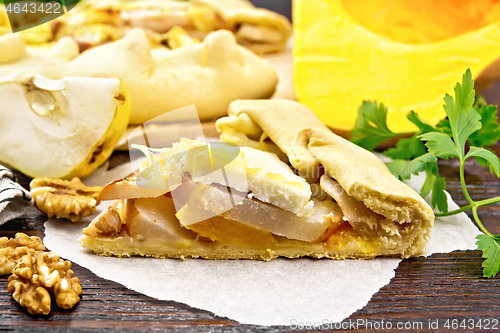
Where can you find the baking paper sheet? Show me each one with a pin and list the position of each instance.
(280, 292)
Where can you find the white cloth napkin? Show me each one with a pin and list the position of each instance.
(14, 199)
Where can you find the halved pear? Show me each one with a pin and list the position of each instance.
(60, 128)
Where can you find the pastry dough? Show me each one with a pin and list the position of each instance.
(359, 209)
(94, 22)
(259, 29)
(308, 143)
(211, 74)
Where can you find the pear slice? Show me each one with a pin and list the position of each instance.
(60, 128)
(203, 202)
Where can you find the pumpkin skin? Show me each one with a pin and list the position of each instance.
(405, 54)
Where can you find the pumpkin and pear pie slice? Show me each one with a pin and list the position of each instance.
(280, 184)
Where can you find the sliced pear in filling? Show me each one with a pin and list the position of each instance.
(60, 128)
(354, 211)
(228, 231)
(154, 218)
(202, 202)
(283, 223)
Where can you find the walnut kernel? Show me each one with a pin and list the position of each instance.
(26, 290)
(65, 199)
(107, 223)
(11, 251)
(36, 277)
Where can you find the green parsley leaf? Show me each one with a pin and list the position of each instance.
(417, 165)
(444, 126)
(430, 179)
(406, 149)
(488, 155)
(435, 185)
(491, 251)
(464, 120)
(484, 163)
(440, 145)
(413, 147)
(371, 126)
(439, 197)
(423, 126)
(489, 133)
(396, 166)
(479, 102)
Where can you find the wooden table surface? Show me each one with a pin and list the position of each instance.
(443, 288)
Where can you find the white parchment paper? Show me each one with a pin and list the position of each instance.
(280, 292)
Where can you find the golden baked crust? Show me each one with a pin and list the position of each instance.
(356, 249)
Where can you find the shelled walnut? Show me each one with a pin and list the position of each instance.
(26, 289)
(11, 251)
(64, 199)
(107, 223)
(37, 276)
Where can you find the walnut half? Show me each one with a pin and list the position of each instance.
(107, 223)
(26, 290)
(36, 277)
(64, 199)
(11, 251)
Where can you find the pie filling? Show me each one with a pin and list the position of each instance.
(191, 214)
(200, 213)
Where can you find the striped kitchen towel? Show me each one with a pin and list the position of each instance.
(14, 199)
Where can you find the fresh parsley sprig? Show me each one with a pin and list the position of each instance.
(467, 123)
